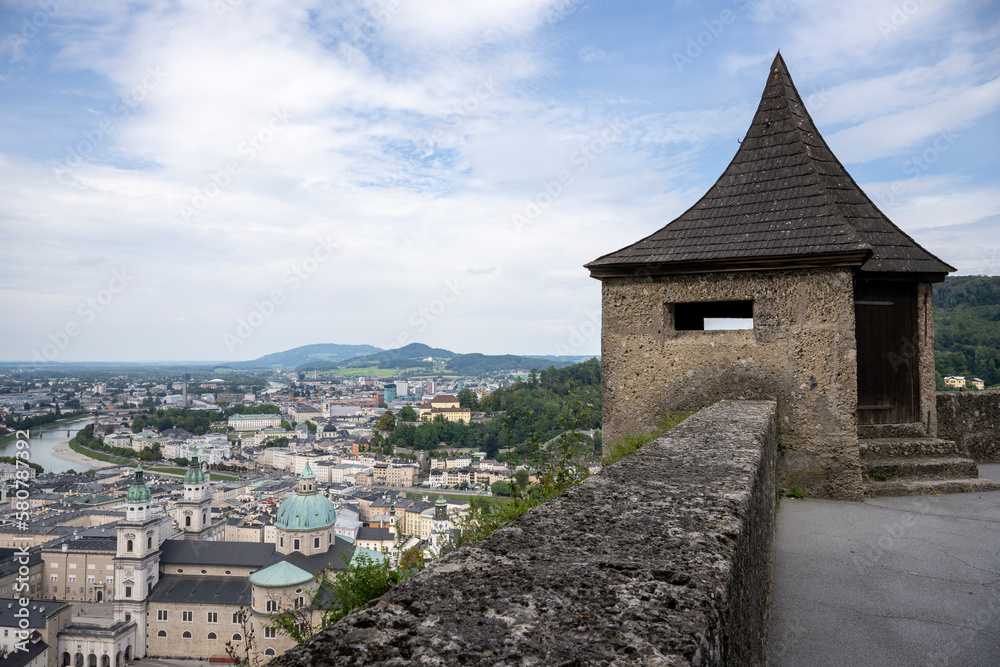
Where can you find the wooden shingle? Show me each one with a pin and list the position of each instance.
(784, 201)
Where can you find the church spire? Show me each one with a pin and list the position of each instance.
(784, 201)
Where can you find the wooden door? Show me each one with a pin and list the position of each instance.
(888, 363)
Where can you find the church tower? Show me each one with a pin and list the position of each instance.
(440, 527)
(137, 559)
(194, 512)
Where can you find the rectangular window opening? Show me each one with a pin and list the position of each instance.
(713, 316)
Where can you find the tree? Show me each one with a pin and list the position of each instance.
(387, 422)
(245, 655)
(468, 399)
(501, 488)
(407, 414)
(411, 559)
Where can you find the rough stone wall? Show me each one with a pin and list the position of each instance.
(661, 559)
(972, 419)
(802, 353)
(925, 350)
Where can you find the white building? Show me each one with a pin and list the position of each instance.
(254, 422)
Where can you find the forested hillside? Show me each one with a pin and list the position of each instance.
(967, 327)
(545, 405)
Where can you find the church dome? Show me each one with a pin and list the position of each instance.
(194, 474)
(138, 492)
(307, 509)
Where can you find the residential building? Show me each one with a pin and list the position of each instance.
(254, 422)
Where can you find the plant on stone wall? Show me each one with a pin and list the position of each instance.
(791, 492)
(630, 443)
(556, 470)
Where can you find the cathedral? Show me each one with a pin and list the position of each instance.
(181, 598)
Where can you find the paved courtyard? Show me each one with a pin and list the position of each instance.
(888, 582)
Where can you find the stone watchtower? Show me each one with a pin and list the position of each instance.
(785, 282)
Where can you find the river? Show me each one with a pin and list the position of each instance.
(44, 439)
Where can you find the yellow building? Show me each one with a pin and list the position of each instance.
(445, 405)
(956, 381)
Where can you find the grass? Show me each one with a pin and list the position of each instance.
(880, 476)
(180, 472)
(791, 492)
(630, 443)
(100, 456)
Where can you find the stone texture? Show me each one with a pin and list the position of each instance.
(661, 559)
(801, 353)
(972, 419)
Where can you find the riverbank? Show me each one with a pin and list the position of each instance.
(51, 426)
(63, 452)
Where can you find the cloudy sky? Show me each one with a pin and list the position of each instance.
(222, 179)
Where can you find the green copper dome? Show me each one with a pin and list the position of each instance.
(279, 575)
(194, 474)
(307, 509)
(138, 492)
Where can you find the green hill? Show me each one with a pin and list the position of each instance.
(319, 352)
(481, 364)
(391, 358)
(967, 327)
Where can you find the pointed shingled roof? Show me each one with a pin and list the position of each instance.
(784, 201)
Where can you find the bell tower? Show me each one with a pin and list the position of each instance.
(194, 512)
(137, 559)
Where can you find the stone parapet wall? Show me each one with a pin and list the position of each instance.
(664, 558)
(972, 419)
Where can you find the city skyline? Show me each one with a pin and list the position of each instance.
(223, 180)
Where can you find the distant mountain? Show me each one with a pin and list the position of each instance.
(320, 352)
(414, 354)
(481, 364)
(387, 358)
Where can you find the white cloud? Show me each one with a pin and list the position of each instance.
(414, 138)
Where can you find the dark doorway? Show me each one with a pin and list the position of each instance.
(888, 364)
